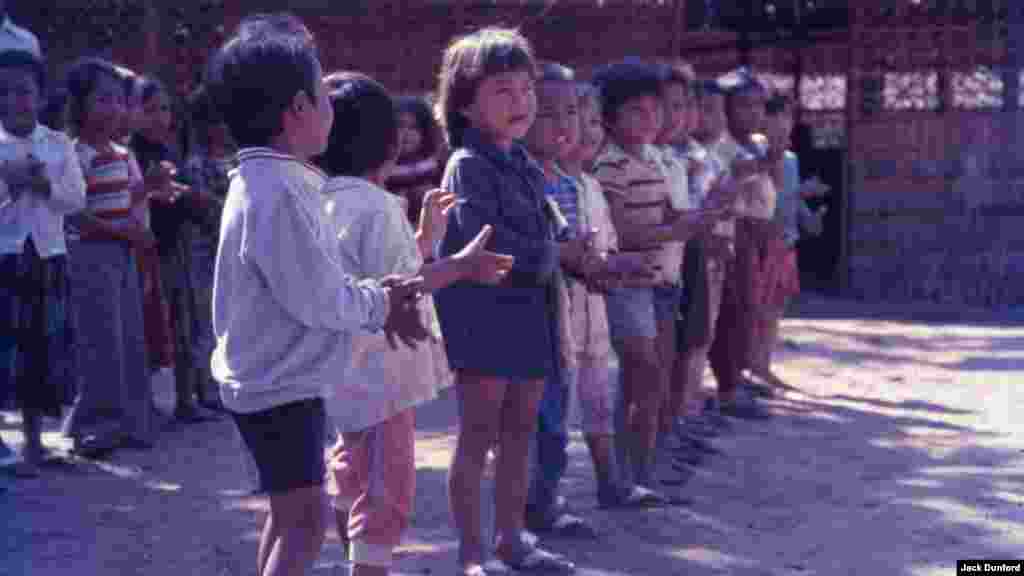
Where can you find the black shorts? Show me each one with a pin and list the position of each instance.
(287, 444)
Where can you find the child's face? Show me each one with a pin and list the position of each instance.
(156, 114)
(104, 107)
(556, 129)
(638, 121)
(591, 131)
(746, 113)
(21, 100)
(504, 106)
(311, 127)
(779, 129)
(410, 137)
(677, 113)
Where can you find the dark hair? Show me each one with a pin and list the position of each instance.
(420, 110)
(625, 80)
(365, 132)
(254, 77)
(275, 23)
(548, 71)
(82, 80)
(778, 102)
(28, 62)
(203, 113)
(467, 61)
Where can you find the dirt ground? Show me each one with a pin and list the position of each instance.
(901, 453)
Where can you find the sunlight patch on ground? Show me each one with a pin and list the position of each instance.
(162, 486)
(711, 558)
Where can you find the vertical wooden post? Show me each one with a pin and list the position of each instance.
(851, 178)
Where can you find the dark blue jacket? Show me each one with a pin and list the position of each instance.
(509, 330)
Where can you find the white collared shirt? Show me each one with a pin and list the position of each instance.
(14, 37)
(42, 219)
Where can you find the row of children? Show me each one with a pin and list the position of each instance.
(598, 207)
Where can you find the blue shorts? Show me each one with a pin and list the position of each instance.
(631, 313)
(287, 443)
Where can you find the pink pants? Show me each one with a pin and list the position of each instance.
(375, 473)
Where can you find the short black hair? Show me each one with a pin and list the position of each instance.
(365, 132)
(26, 61)
(467, 61)
(621, 81)
(420, 110)
(254, 77)
(203, 113)
(82, 79)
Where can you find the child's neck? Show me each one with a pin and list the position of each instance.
(285, 145)
(550, 166)
(572, 166)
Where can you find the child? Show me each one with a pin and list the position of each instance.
(781, 278)
(732, 350)
(154, 145)
(418, 168)
(676, 84)
(633, 181)
(372, 405)
(486, 103)
(595, 387)
(555, 131)
(207, 173)
(114, 401)
(40, 183)
(277, 277)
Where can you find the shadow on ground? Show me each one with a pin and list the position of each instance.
(845, 479)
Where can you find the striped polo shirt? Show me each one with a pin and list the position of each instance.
(638, 195)
(110, 173)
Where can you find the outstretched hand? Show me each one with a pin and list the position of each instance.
(481, 265)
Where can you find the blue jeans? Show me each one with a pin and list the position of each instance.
(551, 449)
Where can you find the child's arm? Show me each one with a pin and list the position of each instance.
(469, 178)
(282, 239)
(65, 181)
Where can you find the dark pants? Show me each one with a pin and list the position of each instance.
(550, 454)
(727, 348)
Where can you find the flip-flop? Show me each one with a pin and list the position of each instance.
(540, 561)
(473, 570)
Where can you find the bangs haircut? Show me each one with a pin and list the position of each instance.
(82, 79)
(365, 132)
(467, 62)
(254, 77)
(622, 81)
(429, 132)
(28, 62)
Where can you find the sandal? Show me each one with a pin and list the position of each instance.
(540, 561)
(472, 570)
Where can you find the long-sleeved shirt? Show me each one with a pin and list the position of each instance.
(42, 219)
(283, 308)
(375, 239)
